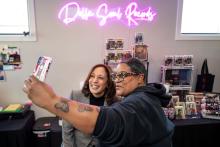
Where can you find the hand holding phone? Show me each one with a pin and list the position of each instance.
(42, 67)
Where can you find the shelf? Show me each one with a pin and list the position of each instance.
(180, 87)
(191, 67)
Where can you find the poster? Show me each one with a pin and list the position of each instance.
(140, 52)
(10, 57)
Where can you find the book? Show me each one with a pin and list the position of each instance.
(12, 108)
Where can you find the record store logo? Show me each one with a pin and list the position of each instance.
(72, 11)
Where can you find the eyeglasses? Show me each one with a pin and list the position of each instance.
(122, 75)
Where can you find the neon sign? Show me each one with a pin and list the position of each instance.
(72, 11)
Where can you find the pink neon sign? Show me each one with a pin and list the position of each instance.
(71, 11)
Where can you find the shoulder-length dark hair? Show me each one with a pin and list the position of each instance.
(110, 91)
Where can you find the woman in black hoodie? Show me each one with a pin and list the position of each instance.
(137, 121)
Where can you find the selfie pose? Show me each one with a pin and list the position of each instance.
(137, 121)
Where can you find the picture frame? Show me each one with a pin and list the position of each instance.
(190, 98)
(139, 38)
(141, 52)
(182, 104)
(175, 99)
(179, 112)
(10, 57)
(191, 108)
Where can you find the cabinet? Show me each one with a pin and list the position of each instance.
(17, 132)
(179, 79)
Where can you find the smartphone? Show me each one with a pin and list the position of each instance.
(42, 67)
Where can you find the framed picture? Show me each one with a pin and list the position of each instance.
(191, 108)
(139, 38)
(169, 112)
(174, 100)
(190, 98)
(182, 104)
(179, 111)
(10, 57)
(140, 52)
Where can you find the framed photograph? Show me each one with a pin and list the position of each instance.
(140, 52)
(10, 56)
(180, 113)
(191, 108)
(182, 104)
(190, 98)
(139, 38)
(110, 45)
(169, 112)
(174, 100)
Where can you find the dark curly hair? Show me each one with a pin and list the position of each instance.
(110, 91)
(138, 67)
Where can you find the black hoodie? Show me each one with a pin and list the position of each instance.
(137, 121)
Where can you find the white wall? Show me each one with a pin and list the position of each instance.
(77, 47)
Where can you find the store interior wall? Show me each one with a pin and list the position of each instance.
(77, 47)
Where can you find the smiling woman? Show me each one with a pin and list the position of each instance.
(99, 90)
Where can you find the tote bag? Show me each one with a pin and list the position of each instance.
(205, 80)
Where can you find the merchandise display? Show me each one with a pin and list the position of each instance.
(187, 60)
(195, 105)
(115, 52)
(177, 72)
(182, 109)
(178, 60)
(210, 106)
(169, 60)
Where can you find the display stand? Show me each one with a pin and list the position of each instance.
(210, 105)
(115, 53)
(179, 79)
